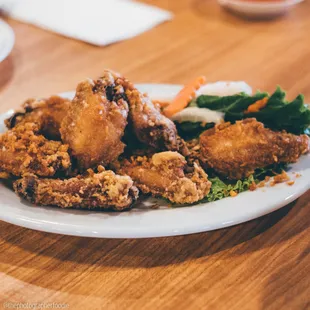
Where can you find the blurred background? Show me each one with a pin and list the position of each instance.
(58, 43)
(49, 46)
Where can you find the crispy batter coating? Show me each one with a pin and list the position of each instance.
(46, 113)
(102, 190)
(235, 151)
(23, 150)
(166, 174)
(193, 147)
(149, 125)
(95, 123)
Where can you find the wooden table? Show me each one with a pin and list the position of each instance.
(263, 264)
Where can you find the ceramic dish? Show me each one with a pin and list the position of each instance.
(259, 9)
(7, 39)
(142, 221)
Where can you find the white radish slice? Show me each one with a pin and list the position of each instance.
(194, 114)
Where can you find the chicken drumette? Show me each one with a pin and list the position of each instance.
(150, 125)
(146, 122)
(95, 124)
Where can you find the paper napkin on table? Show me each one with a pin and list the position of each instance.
(99, 22)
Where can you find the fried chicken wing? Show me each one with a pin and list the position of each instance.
(150, 125)
(235, 151)
(166, 174)
(146, 121)
(102, 190)
(23, 150)
(46, 113)
(95, 124)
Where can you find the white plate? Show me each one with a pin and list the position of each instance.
(7, 39)
(145, 222)
(259, 9)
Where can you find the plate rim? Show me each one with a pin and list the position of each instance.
(137, 233)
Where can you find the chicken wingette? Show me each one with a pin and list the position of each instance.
(236, 150)
(167, 175)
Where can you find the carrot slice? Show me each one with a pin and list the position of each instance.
(233, 193)
(184, 96)
(257, 106)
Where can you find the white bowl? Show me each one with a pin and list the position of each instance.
(259, 9)
(7, 39)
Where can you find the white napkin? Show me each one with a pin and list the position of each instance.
(99, 22)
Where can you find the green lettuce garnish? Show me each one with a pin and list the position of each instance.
(278, 114)
(221, 188)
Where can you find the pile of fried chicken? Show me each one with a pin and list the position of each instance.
(110, 143)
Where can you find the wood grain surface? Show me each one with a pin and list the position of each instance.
(262, 264)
